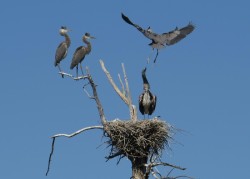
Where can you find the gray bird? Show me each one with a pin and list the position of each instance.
(160, 40)
(147, 101)
(62, 49)
(80, 53)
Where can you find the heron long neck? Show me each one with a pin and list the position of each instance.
(146, 85)
(67, 39)
(88, 48)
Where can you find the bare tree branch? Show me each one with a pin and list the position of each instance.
(71, 76)
(182, 176)
(87, 93)
(125, 96)
(122, 96)
(123, 89)
(77, 132)
(165, 164)
(69, 136)
(50, 155)
(95, 96)
(131, 108)
(150, 166)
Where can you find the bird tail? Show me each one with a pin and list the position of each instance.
(126, 19)
(144, 78)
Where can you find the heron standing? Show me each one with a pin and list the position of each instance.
(160, 40)
(62, 49)
(147, 101)
(80, 53)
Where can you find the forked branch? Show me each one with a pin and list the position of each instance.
(117, 90)
(125, 94)
(99, 107)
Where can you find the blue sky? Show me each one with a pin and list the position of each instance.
(202, 85)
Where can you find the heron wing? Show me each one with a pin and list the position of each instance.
(153, 104)
(61, 52)
(78, 56)
(146, 33)
(141, 108)
(176, 35)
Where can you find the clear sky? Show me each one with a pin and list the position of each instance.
(202, 84)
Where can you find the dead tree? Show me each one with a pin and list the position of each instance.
(141, 141)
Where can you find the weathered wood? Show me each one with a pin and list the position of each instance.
(138, 167)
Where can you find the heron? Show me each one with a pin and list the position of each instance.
(161, 40)
(147, 101)
(62, 49)
(81, 52)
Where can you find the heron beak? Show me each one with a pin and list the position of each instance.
(92, 37)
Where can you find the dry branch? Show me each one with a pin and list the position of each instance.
(69, 136)
(133, 117)
(71, 76)
(122, 96)
(125, 96)
(95, 96)
(77, 132)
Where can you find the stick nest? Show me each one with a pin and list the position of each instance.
(137, 139)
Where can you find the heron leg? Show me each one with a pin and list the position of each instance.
(81, 69)
(77, 71)
(156, 55)
(149, 57)
(60, 69)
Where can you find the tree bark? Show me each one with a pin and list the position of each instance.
(138, 167)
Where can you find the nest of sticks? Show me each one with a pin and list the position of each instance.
(138, 139)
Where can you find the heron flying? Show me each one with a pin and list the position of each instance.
(62, 49)
(80, 53)
(147, 101)
(160, 40)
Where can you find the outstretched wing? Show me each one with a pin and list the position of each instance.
(61, 53)
(176, 35)
(147, 33)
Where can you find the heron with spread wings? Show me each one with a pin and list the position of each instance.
(161, 40)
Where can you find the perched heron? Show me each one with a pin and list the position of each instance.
(160, 40)
(62, 49)
(147, 101)
(80, 53)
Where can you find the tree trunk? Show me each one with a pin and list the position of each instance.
(138, 167)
